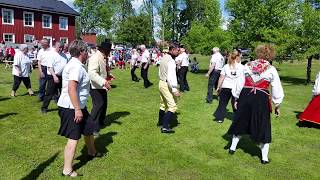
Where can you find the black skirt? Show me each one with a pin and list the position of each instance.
(72, 130)
(253, 116)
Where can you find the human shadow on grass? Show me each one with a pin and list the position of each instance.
(293, 80)
(51, 110)
(245, 143)
(35, 173)
(113, 86)
(2, 116)
(101, 144)
(4, 98)
(35, 93)
(113, 117)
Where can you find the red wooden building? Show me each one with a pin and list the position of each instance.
(23, 21)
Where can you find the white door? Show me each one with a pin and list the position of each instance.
(50, 40)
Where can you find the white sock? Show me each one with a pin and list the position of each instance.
(265, 151)
(234, 143)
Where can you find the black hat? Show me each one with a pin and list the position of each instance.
(106, 44)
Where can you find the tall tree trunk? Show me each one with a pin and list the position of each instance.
(309, 69)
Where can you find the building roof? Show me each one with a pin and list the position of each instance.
(50, 6)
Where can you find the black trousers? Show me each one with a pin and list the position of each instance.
(182, 75)
(42, 83)
(133, 75)
(144, 75)
(224, 97)
(17, 81)
(213, 82)
(99, 107)
(52, 90)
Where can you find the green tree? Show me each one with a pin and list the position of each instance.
(135, 30)
(95, 15)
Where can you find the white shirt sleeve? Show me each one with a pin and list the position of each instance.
(239, 84)
(316, 87)
(277, 90)
(172, 76)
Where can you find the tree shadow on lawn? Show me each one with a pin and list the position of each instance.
(245, 143)
(2, 116)
(293, 80)
(35, 173)
(101, 144)
(113, 117)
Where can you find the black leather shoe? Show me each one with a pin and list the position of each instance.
(231, 152)
(265, 162)
(168, 131)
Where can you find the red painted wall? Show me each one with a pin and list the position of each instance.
(90, 38)
(20, 30)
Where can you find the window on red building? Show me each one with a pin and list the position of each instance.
(46, 21)
(63, 23)
(28, 19)
(7, 16)
(28, 38)
(7, 37)
(64, 40)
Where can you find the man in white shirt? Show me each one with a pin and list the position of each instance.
(42, 66)
(183, 62)
(55, 65)
(215, 67)
(133, 65)
(168, 89)
(145, 60)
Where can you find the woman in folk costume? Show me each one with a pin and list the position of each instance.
(253, 101)
(312, 113)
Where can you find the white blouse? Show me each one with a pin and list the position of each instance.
(231, 74)
(74, 71)
(23, 62)
(316, 87)
(271, 75)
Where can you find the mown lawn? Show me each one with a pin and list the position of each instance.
(135, 149)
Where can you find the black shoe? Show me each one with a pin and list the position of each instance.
(231, 152)
(165, 130)
(209, 102)
(265, 162)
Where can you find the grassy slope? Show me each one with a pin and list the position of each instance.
(30, 146)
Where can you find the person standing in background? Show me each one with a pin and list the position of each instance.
(21, 69)
(215, 67)
(42, 57)
(183, 61)
(145, 60)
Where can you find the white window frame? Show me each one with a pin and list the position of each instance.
(24, 37)
(12, 11)
(43, 15)
(24, 19)
(67, 25)
(13, 37)
(67, 39)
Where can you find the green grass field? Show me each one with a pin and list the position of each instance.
(135, 149)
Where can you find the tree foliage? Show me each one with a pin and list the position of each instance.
(95, 15)
(135, 30)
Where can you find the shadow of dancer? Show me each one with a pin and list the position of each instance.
(113, 117)
(35, 173)
(2, 116)
(4, 98)
(101, 144)
(245, 144)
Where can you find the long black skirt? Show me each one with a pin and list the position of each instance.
(253, 116)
